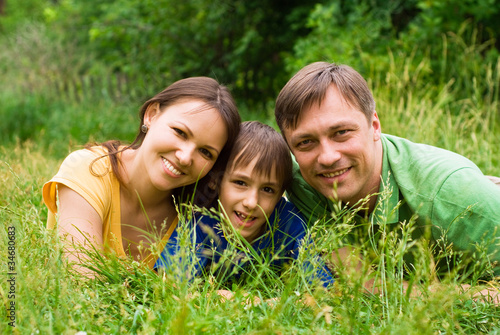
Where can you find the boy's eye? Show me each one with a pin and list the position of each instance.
(268, 190)
(206, 153)
(239, 182)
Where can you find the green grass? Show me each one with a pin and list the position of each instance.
(43, 122)
(50, 299)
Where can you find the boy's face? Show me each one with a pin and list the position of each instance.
(249, 198)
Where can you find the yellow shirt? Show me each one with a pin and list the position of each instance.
(101, 189)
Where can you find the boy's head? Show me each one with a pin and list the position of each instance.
(258, 172)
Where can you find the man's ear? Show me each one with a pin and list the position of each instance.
(377, 129)
(151, 113)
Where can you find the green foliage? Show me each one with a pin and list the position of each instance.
(76, 71)
(126, 298)
(163, 41)
(17, 13)
(444, 41)
(348, 32)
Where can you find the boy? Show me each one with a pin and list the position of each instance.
(259, 170)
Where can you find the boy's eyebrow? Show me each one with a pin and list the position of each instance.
(240, 175)
(273, 184)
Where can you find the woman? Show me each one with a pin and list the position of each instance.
(118, 197)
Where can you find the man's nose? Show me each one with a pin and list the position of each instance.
(329, 153)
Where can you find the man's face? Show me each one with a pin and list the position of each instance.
(337, 148)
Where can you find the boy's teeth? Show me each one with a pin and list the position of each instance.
(244, 217)
(170, 167)
(334, 174)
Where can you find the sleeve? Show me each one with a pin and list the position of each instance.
(196, 250)
(295, 232)
(469, 204)
(312, 205)
(75, 172)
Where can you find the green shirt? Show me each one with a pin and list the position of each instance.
(445, 190)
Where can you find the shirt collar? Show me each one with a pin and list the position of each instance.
(388, 198)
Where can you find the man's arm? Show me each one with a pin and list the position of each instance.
(350, 262)
(466, 212)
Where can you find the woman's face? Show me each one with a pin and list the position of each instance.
(182, 143)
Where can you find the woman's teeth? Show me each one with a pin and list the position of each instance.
(170, 167)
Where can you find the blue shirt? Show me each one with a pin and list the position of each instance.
(277, 246)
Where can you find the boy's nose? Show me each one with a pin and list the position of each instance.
(251, 200)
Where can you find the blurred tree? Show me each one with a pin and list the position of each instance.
(239, 42)
(17, 13)
(374, 35)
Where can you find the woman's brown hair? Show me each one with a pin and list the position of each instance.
(214, 95)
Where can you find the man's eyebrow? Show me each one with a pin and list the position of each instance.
(330, 129)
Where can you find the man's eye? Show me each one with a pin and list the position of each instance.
(206, 153)
(342, 132)
(304, 143)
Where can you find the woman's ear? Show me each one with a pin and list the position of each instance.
(151, 113)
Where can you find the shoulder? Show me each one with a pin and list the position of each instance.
(424, 168)
(208, 230)
(95, 156)
(87, 172)
(287, 217)
(408, 153)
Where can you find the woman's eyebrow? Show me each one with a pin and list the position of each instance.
(190, 132)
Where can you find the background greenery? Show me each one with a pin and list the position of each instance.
(76, 71)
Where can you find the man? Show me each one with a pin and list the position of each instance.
(326, 113)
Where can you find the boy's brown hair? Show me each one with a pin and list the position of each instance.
(262, 141)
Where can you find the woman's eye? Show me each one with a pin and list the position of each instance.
(179, 132)
(206, 153)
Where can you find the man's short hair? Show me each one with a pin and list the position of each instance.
(309, 86)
